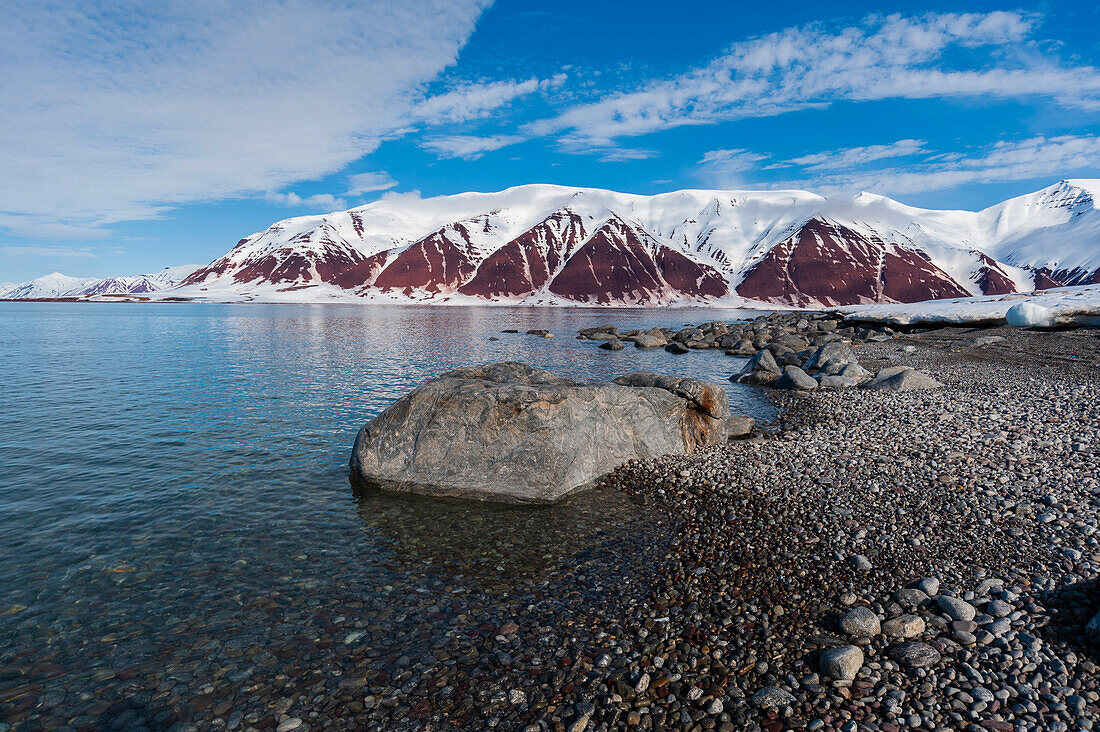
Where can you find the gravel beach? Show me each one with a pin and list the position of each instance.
(962, 519)
(874, 560)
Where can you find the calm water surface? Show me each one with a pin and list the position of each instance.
(173, 489)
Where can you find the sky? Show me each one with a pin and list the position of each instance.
(135, 136)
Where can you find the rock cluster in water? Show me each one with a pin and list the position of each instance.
(790, 351)
(515, 433)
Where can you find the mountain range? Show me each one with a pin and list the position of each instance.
(555, 245)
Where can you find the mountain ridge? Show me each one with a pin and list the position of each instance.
(550, 244)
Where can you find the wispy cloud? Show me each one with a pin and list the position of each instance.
(49, 251)
(361, 183)
(317, 201)
(933, 55)
(476, 100)
(845, 171)
(468, 147)
(114, 111)
(854, 156)
(626, 154)
(1006, 161)
(725, 167)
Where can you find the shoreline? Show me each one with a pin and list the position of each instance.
(723, 574)
(759, 571)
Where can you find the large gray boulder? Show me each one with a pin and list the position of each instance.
(650, 340)
(795, 379)
(519, 434)
(835, 351)
(901, 378)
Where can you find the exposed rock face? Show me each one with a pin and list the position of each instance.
(515, 433)
(827, 262)
(992, 278)
(525, 264)
(440, 262)
(621, 263)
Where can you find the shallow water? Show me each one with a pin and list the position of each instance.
(173, 486)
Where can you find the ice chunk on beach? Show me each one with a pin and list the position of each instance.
(1030, 315)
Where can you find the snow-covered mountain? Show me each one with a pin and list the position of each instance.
(57, 285)
(543, 244)
(554, 245)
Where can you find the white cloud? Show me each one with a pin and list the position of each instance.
(48, 251)
(361, 183)
(115, 110)
(468, 147)
(723, 168)
(477, 100)
(318, 201)
(854, 156)
(1005, 161)
(626, 154)
(934, 55)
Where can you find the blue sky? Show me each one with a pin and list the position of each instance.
(138, 137)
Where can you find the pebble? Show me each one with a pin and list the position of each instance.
(860, 622)
(904, 626)
(930, 586)
(842, 663)
(772, 696)
(859, 563)
(955, 608)
(915, 654)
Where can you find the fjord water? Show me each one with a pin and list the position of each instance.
(174, 502)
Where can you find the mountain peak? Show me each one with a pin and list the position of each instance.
(551, 244)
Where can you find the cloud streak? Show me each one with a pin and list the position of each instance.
(891, 57)
(468, 147)
(48, 251)
(361, 183)
(840, 172)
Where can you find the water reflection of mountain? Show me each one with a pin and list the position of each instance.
(500, 546)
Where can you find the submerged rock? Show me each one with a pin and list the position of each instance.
(519, 434)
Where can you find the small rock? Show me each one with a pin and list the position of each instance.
(579, 724)
(956, 608)
(859, 563)
(915, 654)
(904, 626)
(772, 696)
(860, 622)
(929, 586)
(843, 662)
(910, 597)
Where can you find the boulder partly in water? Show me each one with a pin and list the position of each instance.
(515, 433)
